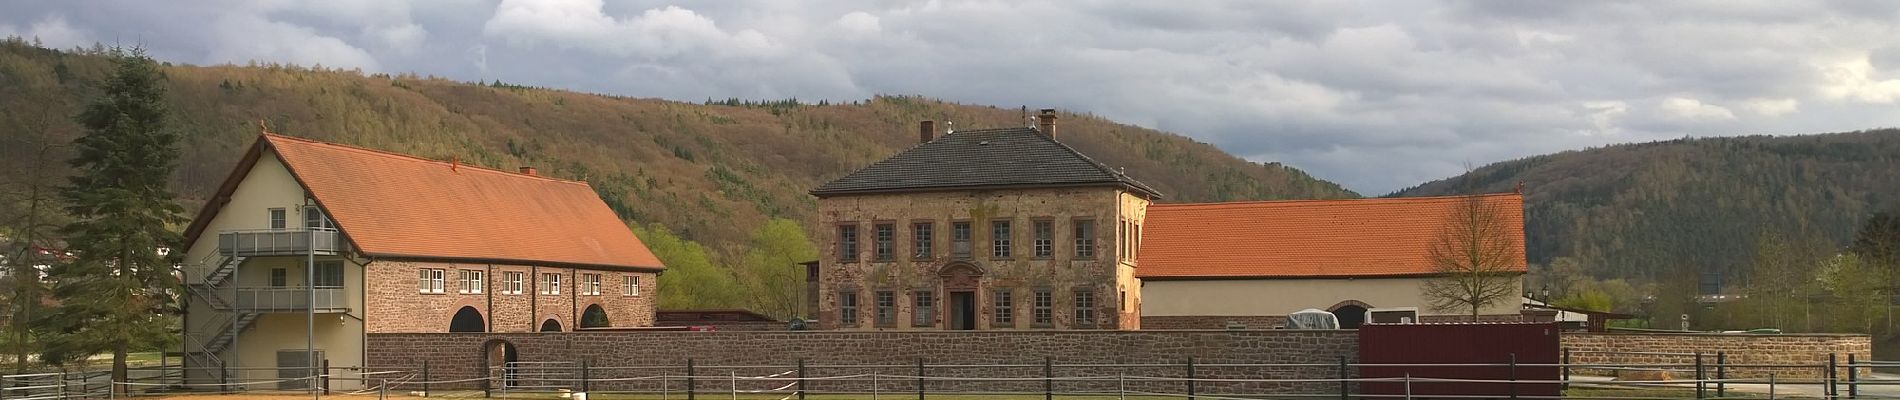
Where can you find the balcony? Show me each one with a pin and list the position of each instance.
(279, 242)
(291, 299)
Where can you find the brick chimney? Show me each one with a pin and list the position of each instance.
(529, 171)
(926, 131)
(1046, 122)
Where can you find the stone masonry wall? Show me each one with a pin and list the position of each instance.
(394, 304)
(453, 356)
(1104, 272)
(1811, 350)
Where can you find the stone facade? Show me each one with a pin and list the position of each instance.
(1021, 354)
(1679, 348)
(1213, 322)
(395, 303)
(977, 268)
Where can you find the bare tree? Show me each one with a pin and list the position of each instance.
(29, 219)
(1475, 257)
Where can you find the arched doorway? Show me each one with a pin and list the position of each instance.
(467, 320)
(1351, 316)
(595, 317)
(961, 282)
(501, 358)
(550, 325)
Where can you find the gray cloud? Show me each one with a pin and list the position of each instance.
(1376, 95)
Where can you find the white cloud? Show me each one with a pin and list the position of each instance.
(860, 22)
(52, 31)
(1692, 109)
(241, 38)
(655, 33)
(1772, 107)
(1855, 79)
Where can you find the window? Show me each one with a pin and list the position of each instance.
(511, 282)
(471, 281)
(1084, 309)
(960, 238)
(925, 311)
(330, 274)
(313, 218)
(886, 307)
(1084, 238)
(1135, 253)
(630, 286)
(550, 283)
(848, 242)
(999, 239)
(1004, 313)
(279, 277)
(430, 281)
(921, 237)
(881, 246)
(848, 308)
(1044, 307)
(1045, 238)
(277, 219)
(590, 284)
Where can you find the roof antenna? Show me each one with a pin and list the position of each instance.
(262, 128)
(949, 127)
(1026, 121)
(455, 161)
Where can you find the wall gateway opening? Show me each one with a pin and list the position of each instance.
(467, 319)
(550, 325)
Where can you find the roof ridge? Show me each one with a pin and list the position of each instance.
(392, 154)
(1118, 175)
(1331, 202)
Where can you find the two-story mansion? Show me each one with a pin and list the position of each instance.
(364, 242)
(981, 229)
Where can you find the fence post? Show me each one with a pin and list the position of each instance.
(801, 379)
(1853, 378)
(425, 378)
(1566, 369)
(1721, 374)
(689, 379)
(326, 375)
(3, 387)
(920, 378)
(1343, 377)
(1832, 391)
(585, 374)
(1513, 372)
(1408, 386)
(1771, 385)
(1048, 378)
(1190, 378)
(1700, 377)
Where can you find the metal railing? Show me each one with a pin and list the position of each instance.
(284, 299)
(279, 242)
(1186, 379)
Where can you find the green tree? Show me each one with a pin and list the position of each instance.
(115, 294)
(1878, 245)
(692, 279)
(1475, 258)
(1854, 292)
(1587, 299)
(771, 274)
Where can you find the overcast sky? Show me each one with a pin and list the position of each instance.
(1375, 95)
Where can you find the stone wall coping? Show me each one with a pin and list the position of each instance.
(918, 332)
(1722, 334)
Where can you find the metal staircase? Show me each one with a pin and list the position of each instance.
(208, 284)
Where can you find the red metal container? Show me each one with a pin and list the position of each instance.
(1396, 351)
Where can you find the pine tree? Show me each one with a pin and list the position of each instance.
(115, 294)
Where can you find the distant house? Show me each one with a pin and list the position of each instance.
(399, 244)
(1220, 265)
(1004, 228)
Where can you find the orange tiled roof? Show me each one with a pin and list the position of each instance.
(1304, 238)
(397, 206)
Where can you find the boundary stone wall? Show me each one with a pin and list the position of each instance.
(453, 356)
(1738, 349)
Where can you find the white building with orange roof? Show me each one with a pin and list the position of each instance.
(346, 242)
(1250, 264)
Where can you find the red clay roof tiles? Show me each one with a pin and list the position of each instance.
(398, 206)
(1304, 238)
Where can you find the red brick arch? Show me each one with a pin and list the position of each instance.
(1361, 304)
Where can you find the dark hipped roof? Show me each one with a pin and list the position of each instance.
(1002, 157)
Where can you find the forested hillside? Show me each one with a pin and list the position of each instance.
(713, 173)
(1694, 209)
